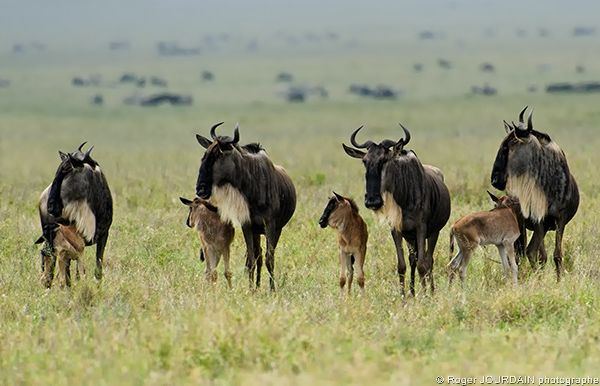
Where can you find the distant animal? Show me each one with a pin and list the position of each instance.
(499, 227)
(341, 214)
(410, 196)
(80, 196)
(158, 82)
(166, 98)
(485, 90)
(207, 76)
(68, 244)
(418, 67)
(445, 64)
(533, 168)
(284, 77)
(215, 235)
(97, 100)
(250, 191)
(487, 67)
(4, 83)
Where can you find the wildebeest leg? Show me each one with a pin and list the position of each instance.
(49, 265)
(431, 242)
(534, 245)
(272, 234)
(512, 260)
(360, 262)
(397, 236)
(504, 260)
(423, 264)
(412, 259)
(521, 243)
(80, 268)
(227, 272)
(257, 257)
(349, 270)
(342, 271)
(560, 228)
(212, 260)
(250, 256)
(543, 255)
(101, 244)
(63, 268)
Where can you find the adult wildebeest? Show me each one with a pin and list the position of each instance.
(341, 214)
(249, 191)
(532, 167)
(499, 227)
(411, 196)
(80, 196)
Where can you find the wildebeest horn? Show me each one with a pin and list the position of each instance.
(236, 133)
(357, 145)
(81, 146)
(212, 130)
(530, 121)
(521, 114)
(406, 138)
(88, 152)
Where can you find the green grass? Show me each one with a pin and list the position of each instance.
(154, 320)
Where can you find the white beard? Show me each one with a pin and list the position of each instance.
(390, 212)
(232, 205)
(534, 204)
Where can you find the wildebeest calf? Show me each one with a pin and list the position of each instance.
(498, 226)
(341, 213)
(68, 245)
(215, 235)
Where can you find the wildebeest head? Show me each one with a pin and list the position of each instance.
(517, 141)
(504, 201)
(71, 166)
(374, 159)
(336, 202)
(192, 218)
(218, 163)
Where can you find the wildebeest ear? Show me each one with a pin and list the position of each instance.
(203, 141)
(338, 197)
(40, 240)
(62, 155)
(494, 198)
(354, 153)
(185, 201)
(507, 127)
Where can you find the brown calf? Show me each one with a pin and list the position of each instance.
(341, 213)
(215, 235)
(498, 226)
(68, 245)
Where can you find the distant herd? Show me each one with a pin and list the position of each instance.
(239, 186)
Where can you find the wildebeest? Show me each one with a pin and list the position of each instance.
(248, 190)
(68, 245)
(410, 196)
(499, 227)
(444, 63)
(215, 235)
(487, 67)
(97, 100)
(207, 76)
(166, 98)
(158, 81)
(284, 77)
(341, 214)
(533, 168)
(80, 196)
(485, 90)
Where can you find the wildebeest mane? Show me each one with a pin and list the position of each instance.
(404, 177)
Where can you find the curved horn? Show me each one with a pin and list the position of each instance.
(406, 138)
(521, 114)
(212, 130)
(236, 133)
(530, 121)
(88, 152)
(81, 146)
(357, 145)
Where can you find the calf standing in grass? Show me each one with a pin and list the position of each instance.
(498, 226)
(341, 213)
(68, 245)
(215, 235)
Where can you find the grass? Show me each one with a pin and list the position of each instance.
(154, 320)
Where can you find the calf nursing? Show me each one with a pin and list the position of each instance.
(215, 235)
(498, 226)
(341, 214)
(68, 244)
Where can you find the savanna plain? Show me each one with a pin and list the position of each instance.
(154, 320)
